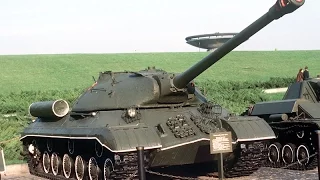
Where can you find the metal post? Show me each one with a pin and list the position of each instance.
(318, 132)
(220, 166)
(141, 169)
(2, 162)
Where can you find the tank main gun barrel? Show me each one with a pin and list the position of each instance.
(280, 8)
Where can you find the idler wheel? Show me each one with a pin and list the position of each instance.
(80, 168)
(67, 165)
(71, 146)
(303, 154)
(107, 168)
(94, 169)
(274, 152)
(288, 153)
(46, 162)
(49, 145)
(55, 163)
(98, 149)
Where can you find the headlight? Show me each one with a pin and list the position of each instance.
(131, 112)
(31, 149)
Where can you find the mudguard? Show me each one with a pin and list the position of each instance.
(248, 128)
(116, 139)
(276, 107)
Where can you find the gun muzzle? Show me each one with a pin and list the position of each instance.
(283, 7)
(280, 8)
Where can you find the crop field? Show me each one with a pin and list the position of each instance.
(48, 72)
(234, 82)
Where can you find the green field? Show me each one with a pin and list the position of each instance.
(234, 82)
(47, 72)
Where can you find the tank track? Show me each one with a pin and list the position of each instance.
(128, 168)
(124, 169)
(244, 162)
(247, 160)
(288, 134)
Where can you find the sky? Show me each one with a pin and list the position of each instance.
(126, 26)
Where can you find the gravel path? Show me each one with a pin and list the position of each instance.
(278, 174)
(262, 173)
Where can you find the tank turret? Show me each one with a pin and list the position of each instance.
(163, 112)
(154, 88)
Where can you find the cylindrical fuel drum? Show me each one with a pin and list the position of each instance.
(49, 109)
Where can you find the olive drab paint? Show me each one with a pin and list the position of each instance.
(161, 111)
(300, 97)
(296, 121)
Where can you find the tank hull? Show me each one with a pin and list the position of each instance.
(108, 131)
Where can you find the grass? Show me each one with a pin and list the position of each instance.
(9, 138)
(28, 78)
(276, 96)
(16, 104)
(48, 72)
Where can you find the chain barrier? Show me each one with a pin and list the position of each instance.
(191, 178)
(170, 176)
(289, 165)
(9, 140)
(292, 164)
(163, 175)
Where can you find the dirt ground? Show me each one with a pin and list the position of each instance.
(262, 173)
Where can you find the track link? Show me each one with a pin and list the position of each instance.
(247, 160)
(287, 133)
(126, 168)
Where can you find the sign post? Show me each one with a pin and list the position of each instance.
(318, 132)
(220, 143)
(2, 162)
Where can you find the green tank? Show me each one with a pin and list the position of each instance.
(163, 112)
(295, 120)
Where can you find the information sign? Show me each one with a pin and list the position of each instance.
(220, 142)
